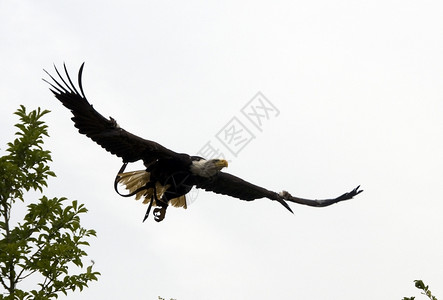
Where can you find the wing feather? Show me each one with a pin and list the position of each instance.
(233, 186)
(228, 184)
(105, 132)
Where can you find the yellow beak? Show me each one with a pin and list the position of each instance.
(222, 163)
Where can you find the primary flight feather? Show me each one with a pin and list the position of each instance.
(169, 175)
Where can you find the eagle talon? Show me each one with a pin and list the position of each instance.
(159, 213)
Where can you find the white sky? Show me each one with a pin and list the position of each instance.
(359, 88)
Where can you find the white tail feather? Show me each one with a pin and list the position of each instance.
(134, 180)
(179, 202)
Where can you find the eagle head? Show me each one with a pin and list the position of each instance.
(208, 168)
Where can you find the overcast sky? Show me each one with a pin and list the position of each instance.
(357, 99)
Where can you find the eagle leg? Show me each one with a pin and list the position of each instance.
(153, 197)
(159, 212)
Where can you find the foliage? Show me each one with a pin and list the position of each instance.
(47, 243)
(425, 288)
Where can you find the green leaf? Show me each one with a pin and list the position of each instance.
(419, 284)
(50, 239)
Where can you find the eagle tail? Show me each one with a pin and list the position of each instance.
(134, 181)
(179, 202)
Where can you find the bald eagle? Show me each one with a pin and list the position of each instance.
(169, 175)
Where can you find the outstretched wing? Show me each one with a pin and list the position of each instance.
(227, 184)
(233, 186)
(105, 132)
